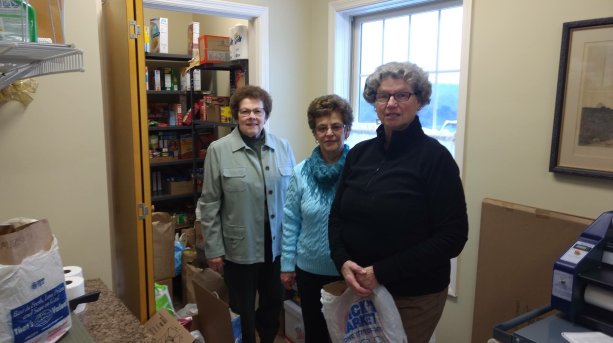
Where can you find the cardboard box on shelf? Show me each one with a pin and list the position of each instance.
(213, 49)
(180, 187)
(186, 148)
(213, 107)
(158, 28)
(158, 159)
(294, 326)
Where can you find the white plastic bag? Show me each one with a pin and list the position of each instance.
(352, 319)
(32, 291)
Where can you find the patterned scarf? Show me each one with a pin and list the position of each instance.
(321, 177)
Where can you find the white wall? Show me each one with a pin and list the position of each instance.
(53, 155)
(291, 73)
(515, 49)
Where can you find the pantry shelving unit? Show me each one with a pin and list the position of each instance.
(186, 201)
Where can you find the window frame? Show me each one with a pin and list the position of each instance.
(355, 85)
(340, 16)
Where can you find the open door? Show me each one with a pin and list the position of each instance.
(126, 126)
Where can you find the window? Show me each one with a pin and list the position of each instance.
(429, 35)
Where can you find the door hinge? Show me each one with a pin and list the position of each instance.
(143, 211)
(134, 29)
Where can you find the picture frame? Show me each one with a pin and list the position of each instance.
(582, 139)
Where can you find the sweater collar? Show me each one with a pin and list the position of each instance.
(321, 177)
(402, 139)
(238, 143)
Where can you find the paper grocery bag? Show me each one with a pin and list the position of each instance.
(32, 291)
(163, 225)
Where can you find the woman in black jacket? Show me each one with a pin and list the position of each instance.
(399, 214)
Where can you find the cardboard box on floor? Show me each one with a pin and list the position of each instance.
(165, 328)
(214, 319)
(515, 235)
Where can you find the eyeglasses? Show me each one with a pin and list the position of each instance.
(383, 98)
(245, 112)
(323, 129)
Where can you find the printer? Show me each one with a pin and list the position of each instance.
(582, 287)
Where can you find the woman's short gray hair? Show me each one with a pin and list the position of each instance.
(411, 73)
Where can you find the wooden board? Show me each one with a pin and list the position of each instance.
(518, 246)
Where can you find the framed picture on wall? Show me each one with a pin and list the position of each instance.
(582, 139)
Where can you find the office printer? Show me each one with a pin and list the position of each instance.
(583, 277)
(582, 292)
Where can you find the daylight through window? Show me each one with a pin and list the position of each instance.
(431, 37)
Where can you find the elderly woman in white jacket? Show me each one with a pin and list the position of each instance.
(246, 175)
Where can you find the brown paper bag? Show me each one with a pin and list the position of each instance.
(163, 245)
(187, 277)
(208, 279)
(33, 297)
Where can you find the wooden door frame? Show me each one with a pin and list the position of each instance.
(258, 28)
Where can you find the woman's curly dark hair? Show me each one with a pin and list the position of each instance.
(325, 105)
(250, 92)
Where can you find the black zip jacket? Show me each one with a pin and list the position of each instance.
(401, 210)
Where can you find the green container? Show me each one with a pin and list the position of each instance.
(17, 21)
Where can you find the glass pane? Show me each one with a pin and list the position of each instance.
(372, 45)
(450, 41)
(445, 98)
(365, 112)
(396, 39)
(424, 31)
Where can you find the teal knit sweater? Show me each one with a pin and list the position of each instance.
(305, 222)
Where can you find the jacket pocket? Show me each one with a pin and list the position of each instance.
(234, 237)
(234, 179)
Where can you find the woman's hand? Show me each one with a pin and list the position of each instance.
(216, 264)
(288, 279)
(352, 272)
(368, 278)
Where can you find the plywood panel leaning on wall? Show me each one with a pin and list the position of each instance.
(518, 246)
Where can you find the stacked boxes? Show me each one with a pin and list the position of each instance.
(214, 49)
(158, 29)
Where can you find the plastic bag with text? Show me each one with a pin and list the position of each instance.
(352, 319)
(32, 291)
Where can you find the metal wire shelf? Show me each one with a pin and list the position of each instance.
(19, 60)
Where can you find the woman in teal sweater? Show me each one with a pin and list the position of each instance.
(305, 253)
